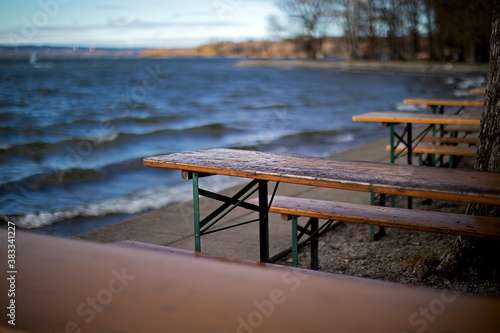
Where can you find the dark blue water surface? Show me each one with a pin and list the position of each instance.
(73, 134)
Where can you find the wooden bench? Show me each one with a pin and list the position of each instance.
(182, 252)
(67, 285)
(478, 91)
(437, 149)
(461, 128)
(451, 140)
(429, 148)
(456, 224)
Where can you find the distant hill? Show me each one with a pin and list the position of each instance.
(287, 49)
(51, 53)
(254, 49)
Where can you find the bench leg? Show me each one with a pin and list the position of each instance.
(381, 230)
(295, 245)
(196, 212)
(263, 221)
(314, 244)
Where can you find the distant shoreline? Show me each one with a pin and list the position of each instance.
(410, 67)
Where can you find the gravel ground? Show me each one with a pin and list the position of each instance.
(399, 256)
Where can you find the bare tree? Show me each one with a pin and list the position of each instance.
(308, 21)
(412, 11)
(351, 19)
(469, 258)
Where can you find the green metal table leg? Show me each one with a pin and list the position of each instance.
(393, 160)
(196, 212)
(392, 143)
(295, 258)
(410, 156)
(372, 202)
(263, 221)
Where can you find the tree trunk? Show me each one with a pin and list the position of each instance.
(474, 259)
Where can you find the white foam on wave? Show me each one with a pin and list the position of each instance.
(407, 108)
(104, 138)
(461, 93)
(149, 199)
(344, 138)
(473, 82)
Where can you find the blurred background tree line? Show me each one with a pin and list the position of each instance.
(445, 30)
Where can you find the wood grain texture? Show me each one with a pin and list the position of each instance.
(428, 148)
(69, 285)
(406, 180)
(455, 224)
(445, 102)
(461, 128)
(418, 118)
(478, 91)
(448, 140)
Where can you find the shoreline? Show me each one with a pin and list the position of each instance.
(392, 67)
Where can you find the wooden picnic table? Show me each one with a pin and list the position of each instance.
(67, 285)
(408, 118)
(386, 178)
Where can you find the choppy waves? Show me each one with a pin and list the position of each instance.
(72, 137)
(149, 199)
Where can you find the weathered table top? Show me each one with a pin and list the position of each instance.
(65, 285)
(419, 118)
(405, 180)
(445, 102)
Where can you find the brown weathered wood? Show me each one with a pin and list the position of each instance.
(428, 148)
(419, 118)
(65, 285)
(445, 102)
(456, 224)
(461, 128)
(173, 250)
(406, 180)
(206, 256)
(478, 91)
(448, 140)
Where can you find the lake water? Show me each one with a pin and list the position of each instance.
(73, 133)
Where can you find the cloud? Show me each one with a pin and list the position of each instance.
(122, 21)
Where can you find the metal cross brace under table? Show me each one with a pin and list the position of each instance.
(202, 227)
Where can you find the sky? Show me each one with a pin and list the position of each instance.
(133, 23)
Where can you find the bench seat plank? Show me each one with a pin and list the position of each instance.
(428, 148)
(65, 285)
(456, 224)
(462, 128)
(471, 141)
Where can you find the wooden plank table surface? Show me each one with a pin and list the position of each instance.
(66, 285)
(406, 180)
(419, 118)
(442, 102)
(410, 118)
